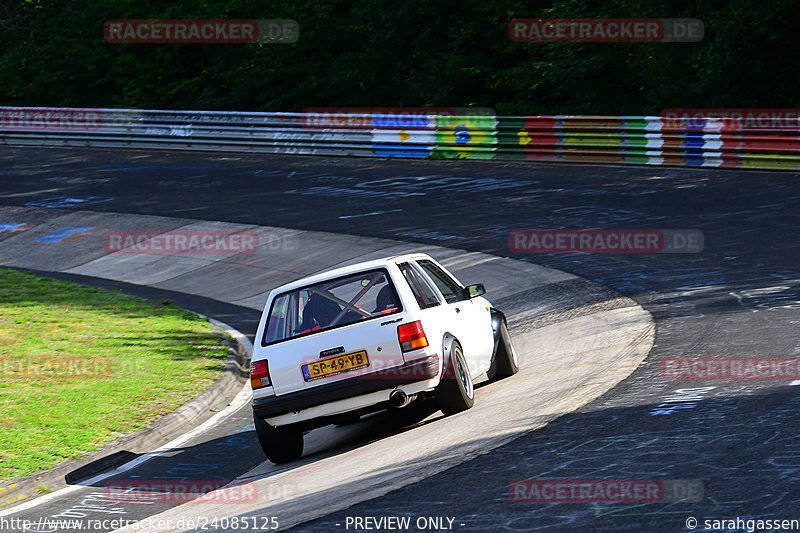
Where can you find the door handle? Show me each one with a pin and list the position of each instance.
(458, 310)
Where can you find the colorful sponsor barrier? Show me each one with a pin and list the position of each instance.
(651, 140)
(700, 138)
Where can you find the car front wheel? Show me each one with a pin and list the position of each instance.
(455, 393)
(280, 444)
(506, 360)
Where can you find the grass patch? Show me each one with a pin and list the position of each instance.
(81, 366)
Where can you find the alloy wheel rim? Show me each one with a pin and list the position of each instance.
(462, 374)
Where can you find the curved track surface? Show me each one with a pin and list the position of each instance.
(739, 297)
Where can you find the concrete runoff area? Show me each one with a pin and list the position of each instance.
(568, 358)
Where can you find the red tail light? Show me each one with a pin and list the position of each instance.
(411, 336)
(259, 374)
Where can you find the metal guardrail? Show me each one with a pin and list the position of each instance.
(648, 140)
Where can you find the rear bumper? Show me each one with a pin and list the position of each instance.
(411, 372)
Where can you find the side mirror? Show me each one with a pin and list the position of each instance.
(472, 291)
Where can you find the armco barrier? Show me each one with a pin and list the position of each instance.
(645, 140)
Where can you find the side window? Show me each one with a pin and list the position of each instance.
(451, 290)
(420, 286)
(279, 319)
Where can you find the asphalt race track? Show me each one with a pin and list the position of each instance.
(737, 298)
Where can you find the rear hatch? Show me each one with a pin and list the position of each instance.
(339, 329)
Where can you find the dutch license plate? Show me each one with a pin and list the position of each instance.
(334, 365)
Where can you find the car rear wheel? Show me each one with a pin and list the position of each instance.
(506, 356)
(280, 444)
(455, 393)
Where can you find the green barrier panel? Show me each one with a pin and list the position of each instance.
(638, 140)
(510, 123)
(769, 161)
(637, 157)
(635, 123)
(592, 139)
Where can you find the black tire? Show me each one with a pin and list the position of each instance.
(280, 444)
(505, 357)
(455, 393)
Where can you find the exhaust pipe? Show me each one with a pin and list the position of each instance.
(398, 398)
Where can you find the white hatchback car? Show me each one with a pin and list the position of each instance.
(366, 337)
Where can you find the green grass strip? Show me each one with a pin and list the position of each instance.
(81, 366)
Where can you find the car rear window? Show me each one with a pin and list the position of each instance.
(331, 304)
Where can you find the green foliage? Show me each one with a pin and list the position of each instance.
(414, 53)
